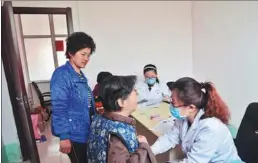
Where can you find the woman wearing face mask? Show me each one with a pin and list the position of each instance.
(201, 125)
(151, 91)
(72, 99)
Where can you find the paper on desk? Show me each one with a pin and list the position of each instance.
(143, 106)
(142, 101)
(164, 125)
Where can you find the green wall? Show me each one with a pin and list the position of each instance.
(11, 153)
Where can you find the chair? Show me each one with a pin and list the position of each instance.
(43, 102)
(247, 136)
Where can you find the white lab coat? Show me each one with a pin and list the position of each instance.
(206, 141)
(153, 97)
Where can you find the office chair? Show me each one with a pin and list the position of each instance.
(44, 103)
(247, 136)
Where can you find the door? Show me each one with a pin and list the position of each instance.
(42, 48)
(15, 81)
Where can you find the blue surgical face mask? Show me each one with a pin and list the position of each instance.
(175, 112)
(151, 81)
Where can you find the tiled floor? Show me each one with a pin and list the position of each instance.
(49, 150)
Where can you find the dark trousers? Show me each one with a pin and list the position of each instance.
(78, 153)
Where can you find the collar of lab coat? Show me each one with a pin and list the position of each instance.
(188, 133)
(197, 118)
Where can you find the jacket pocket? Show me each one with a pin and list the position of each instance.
(79, 125)
(80, 90)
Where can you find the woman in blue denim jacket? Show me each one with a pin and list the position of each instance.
(72, 99)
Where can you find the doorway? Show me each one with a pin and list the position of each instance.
(16, 67)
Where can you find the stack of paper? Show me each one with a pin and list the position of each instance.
(164, 125)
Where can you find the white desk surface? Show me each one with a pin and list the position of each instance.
(143, 116)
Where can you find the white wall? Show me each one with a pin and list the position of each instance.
(182, 41)
(131, 34)
(225, 50)
(128, 33)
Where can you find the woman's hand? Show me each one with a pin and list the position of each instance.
(65, 146)
(166, 98)
(142, 139)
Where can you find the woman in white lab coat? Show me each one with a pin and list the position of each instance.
(201, 125)
(151, 91)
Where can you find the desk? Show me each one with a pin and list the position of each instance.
(143, 116)
(145, 124)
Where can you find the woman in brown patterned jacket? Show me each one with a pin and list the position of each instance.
(113, 137)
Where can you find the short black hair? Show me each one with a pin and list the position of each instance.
(77, 41)
(102, 76)
(171, 85)
(114, 88)
(149, 67)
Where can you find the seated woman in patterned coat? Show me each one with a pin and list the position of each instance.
(113, 135)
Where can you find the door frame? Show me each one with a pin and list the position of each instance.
(14, 74)
(47, 10)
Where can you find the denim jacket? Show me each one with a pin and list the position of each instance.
(69, 97)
